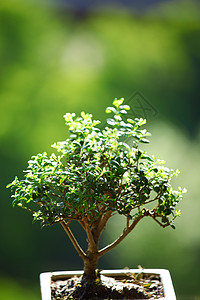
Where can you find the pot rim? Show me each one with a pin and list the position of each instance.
(46, 277)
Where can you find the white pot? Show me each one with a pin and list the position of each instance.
(45, 279)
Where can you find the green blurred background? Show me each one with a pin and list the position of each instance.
(56, 59)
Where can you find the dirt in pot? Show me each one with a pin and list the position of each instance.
(128, 286)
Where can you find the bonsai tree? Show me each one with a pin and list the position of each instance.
(98, 173)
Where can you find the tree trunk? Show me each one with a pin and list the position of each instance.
(90, 266)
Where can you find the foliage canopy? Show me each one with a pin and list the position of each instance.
(99, 171)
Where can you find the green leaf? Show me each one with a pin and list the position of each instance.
(117, 102)
(13, 183)
(111, 109)
(123, 112)
(161, 161)
(144, 141)
(165, 219)
(131, 121)
(83, 115)
(68, 117)
(111, 122)
(126, 107)
(141, 121)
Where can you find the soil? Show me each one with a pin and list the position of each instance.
(130, 286)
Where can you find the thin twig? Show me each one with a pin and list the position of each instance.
(57, 195)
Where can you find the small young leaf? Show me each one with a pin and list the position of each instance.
(126, 107)
(117, 102)
(111, 109)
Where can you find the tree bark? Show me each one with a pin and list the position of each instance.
(90, 266)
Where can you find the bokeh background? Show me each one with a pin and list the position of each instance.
(73, 56)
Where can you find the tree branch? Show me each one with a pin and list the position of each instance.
(82, 224)
(127, 221)
(103, 222)
(120, 238)
(162, 225)
(153, 215)
(89, 233)
(73, 239)
(147, 202)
